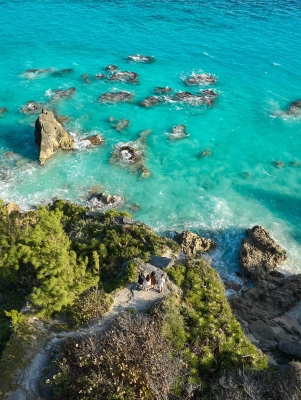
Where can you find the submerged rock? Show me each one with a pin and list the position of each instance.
(111, 67)
(205, 153)
(60, 118)
(131, 155)
(122, 124)
(141, 58)
(163, 90)
(200, 79)
(150, 101)
(33, 72)
(295, 163)
(193, 99)
(178, 132)
(100, 76)
(192, 244)
(130, 77)
(259, 254)
(278, 164)
(32, 107)
(62, 72)
(49, 136)
(86, 78)
(209, 92)
(115, 97)
(63, 93)
(294, 108)
(2, 110)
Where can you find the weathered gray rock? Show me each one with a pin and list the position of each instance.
(122, 124)
(193, 99)
(63, 93)
(2, 110)
(200, 79)
(192, 244)
(131, 155)
(100, 76)
(294, 108)
(209, 92)
(141, 58)
(32, 107)
(62, 72)
(151, 101)
(178, 132)
(111, 67)
(259, 254)
(49, 136)
(163, 90)
(129, 77)
(260, 330)
(290, 349)
(86, 78)
(116, 97)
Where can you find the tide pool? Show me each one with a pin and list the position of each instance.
(253, 50)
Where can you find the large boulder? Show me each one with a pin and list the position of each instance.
(49, 136)
(192, 244)
(259, 254)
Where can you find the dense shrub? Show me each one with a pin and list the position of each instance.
(132, 360)
(92, 303)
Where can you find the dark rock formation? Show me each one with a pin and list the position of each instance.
(150, 101)
(131, 155)
(141, 58)
(192, 244)
(294, 108)
(209, 92)
(193, 99)
(200, 79)
(2, 110)
(122, 124)
(104, 201)
(86, 78)
(62, 72)
(163, 90)
(129, 77)
(49, 136)
(111, 67)
(96, 140)
(259, 254)
(63, 93)
(115, 97)
(100, 76)
(178, 132)
(32, 107)
(278, 164)
(290, 349)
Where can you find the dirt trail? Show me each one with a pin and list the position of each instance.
(26, 382)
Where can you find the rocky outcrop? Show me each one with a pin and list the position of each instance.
(129, 77)
(192, 244)
(259, 254)
(192, 99)
(49, 136)
(200, 79)
(104, 202)
(294, 108)
(116, 97)
(178, 132)
(141, 58)
(13, 207)
(209, 92)
(111, 67)
(32, 107)
(2, 110)
(150, 101)
(163, 90)
(131, 155)
(100, 76)
(121, 124)
(96, 140)
(63, 93)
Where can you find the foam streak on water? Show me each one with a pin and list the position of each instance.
(251, 47)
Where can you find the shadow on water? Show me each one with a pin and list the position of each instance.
(283, 206)
(20, 141)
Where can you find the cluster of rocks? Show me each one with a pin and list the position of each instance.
(204, 98)
(131, 155)
(103, 202)
(264, 299)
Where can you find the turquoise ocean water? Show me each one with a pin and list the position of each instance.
(251, 47)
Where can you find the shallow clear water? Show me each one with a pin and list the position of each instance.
(251, 47)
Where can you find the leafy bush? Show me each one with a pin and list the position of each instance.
(90, 304)
(130, 361)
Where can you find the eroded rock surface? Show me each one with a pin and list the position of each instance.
(32, 107)
(63, 93)
(151, 101)
(104, 201)
(130, 77)
(49, 136)
(200, 79)
(116, 97)
(121, 124)
(259, 254)
(193, 99)
(141, 58)
(192, 244)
